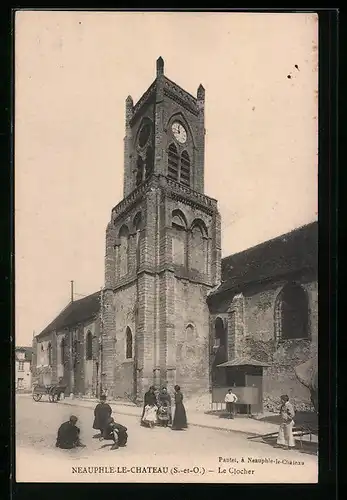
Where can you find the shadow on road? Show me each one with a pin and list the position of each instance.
(306, 418)
(106, 445)
(306, 447)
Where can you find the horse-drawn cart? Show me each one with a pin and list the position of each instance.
(52, 391)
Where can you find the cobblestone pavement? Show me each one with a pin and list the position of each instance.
(39, 461)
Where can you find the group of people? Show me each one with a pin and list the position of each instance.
(69, 434)
(157, 409)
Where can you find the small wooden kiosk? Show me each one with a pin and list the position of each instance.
(245, 378)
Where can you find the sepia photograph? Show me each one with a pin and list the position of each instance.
(166, 247)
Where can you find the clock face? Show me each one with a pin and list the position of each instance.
(179, 132)
(144, 135)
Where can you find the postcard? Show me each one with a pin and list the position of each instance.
(166, 173)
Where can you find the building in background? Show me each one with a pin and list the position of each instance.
(23, 360)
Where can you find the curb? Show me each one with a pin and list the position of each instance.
(203, 426)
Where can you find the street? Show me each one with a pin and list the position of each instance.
(194, 455)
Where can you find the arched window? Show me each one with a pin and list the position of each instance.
(220, 351)
(190, 333)
(185, 169)
(137, 226)
(291, 313)
(179, 238)
(198, 248)
(41, 354)
(62, 351)
(129, 344)
(188, 350)
(49, 354)
(149, 161)
(89, 346)
(123, 251)
(220, 333)
(139, 170)
(173, 162)
(75, 352)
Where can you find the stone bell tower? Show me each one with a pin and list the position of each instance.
(163, 248)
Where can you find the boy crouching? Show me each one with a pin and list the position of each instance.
(115, 432)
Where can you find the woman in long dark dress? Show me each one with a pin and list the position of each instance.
(180, 417)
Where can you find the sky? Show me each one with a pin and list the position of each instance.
(73, 72)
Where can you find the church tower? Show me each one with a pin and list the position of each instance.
(163, 248)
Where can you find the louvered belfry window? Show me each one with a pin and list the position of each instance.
(140, 165)
(149, 162)
(185, 169)
(173, 162)
(178, 166)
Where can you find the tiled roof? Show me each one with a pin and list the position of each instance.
(28, 351)
(288, 253)
(243, 362)
(76, 312)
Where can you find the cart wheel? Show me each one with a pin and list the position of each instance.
(53, 398)
(36, 396)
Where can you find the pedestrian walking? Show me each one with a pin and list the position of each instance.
(230, 400)
(69, 435)
(285, 434)
(180, 418)
(102, 413)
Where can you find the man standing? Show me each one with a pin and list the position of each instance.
(102, 413)
(230, 400)
(68, 435)
(285, 435)
(61, 389)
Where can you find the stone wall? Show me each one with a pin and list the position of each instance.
(191, 336)
(42, 372)
(284, 355)
(124, 308)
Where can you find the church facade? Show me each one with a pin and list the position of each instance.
(171, 310)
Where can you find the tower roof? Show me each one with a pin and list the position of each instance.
(160, 66)
(171, 89)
